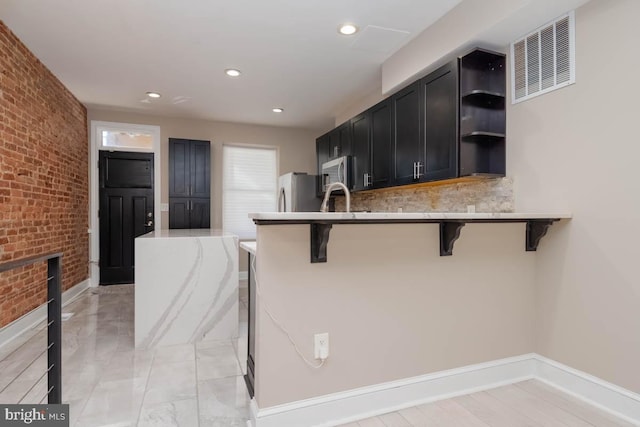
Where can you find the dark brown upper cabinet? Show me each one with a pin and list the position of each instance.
(360, 152)
(446, 125)
(482, 113)
(439, 115)
(407, 149)
(381, 138)
(340, 144)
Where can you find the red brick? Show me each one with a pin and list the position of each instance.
(44, 197)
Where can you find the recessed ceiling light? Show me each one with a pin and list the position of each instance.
(278, 110)
(232, 72)
(347, 29)
(153, 95)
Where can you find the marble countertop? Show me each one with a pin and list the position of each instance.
(188, 232)
(249, 246)
(408, 216)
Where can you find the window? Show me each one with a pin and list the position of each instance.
(543, 60)
(114, 139)
(249, 184)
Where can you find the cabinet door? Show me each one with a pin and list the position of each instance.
(440, 116)
(179, 172)
(200, 215)
(381, 135)
(408, 149)
(179, 212)
(335, 148)
(200, 168)
(323, 147)
(360, 150)
(344, 135)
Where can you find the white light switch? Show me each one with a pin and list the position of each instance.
(164, 207)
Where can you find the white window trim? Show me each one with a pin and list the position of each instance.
(96, 143)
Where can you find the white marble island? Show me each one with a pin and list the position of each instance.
(186, 287)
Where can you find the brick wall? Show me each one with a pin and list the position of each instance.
(44, 198)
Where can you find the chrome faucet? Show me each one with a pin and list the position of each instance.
(327, 194)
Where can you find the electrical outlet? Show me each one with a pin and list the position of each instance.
(321, 346)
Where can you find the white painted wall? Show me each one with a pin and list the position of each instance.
(577, 149)
(393, 307)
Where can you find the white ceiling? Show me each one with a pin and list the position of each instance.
(110, 52)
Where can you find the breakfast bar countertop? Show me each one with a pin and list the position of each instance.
(402, 216)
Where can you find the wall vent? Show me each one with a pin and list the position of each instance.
(543, 60)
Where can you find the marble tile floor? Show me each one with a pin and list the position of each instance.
(108, 383)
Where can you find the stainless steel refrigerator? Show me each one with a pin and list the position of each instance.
(297, 193)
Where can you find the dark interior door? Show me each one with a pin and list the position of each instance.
(126, 211)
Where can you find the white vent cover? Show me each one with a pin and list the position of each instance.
(543, 60)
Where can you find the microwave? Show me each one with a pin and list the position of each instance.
(337, 170)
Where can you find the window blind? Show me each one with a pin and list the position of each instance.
(249, 184)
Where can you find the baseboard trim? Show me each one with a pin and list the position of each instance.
(30, 320)
(604, 395)
(345, 407)
(349, 406)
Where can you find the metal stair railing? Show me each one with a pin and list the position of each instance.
(54, 323)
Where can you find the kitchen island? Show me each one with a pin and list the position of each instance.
(186, 287)
(408, 316)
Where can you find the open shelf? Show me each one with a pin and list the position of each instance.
(484, 99)
(483, 136)
(482, 70)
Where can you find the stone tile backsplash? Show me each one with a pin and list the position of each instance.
(487, 195)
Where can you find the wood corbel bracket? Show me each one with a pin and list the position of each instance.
(536, 229)
(319, 241)
(449, 233)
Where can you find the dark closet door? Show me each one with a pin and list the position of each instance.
(179, 212)
(179, 169)
(199, 214)
(126, 211)
(189, 183)
(200, 169)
